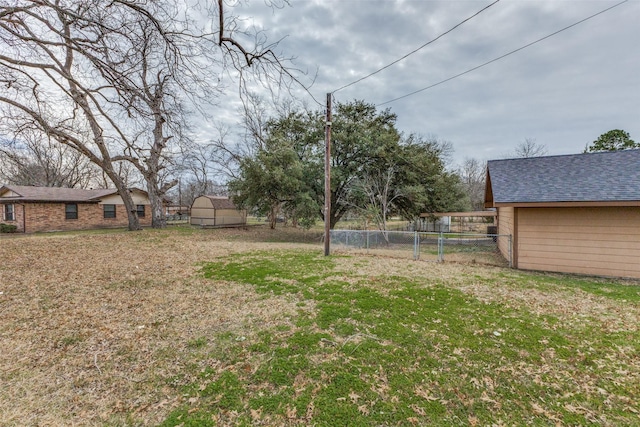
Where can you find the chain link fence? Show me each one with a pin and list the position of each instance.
(489, 249)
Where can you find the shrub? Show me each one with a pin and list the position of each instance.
(7, 228)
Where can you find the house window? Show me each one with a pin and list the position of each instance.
(9, 214)
(71, 211)
(140, 211)
(109, 211)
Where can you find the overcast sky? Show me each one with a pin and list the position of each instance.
(563, 92)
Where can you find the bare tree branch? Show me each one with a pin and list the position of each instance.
(110, 78)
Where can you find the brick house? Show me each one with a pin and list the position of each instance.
(33, 209)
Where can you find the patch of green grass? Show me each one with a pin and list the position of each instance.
(185, 418)
(223, 395)
(69, 340)
(227, 391)
(412, 351)
(609, 288)
(606, 288)
(197, 343)
(276, 272)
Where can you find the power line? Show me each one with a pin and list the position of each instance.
(502, 56)
(419, 48)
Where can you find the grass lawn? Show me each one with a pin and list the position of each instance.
(200, 327)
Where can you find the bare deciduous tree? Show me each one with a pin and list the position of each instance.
(228, 153)
(473, 175)
(530, 148)
(32, 159)
(201, 166)
(55, 65)
(110, 78)
(378, 189)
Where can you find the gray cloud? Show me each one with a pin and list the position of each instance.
(564, 91)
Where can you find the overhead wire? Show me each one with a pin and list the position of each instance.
(417, 49)
(502, 56)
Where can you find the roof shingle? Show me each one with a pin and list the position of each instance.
(590, 177)
(56, 194)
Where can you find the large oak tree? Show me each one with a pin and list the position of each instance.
(375, 171)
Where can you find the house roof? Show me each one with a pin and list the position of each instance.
(54, 194)
(220, 202)
(612, 176)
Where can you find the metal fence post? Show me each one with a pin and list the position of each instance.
(440, 247)
(510, 251)
(367, 239)
(415, 245)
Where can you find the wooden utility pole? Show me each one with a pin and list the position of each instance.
(327, 179)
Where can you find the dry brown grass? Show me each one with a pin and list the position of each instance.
(94, 324)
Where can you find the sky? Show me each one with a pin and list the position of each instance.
(562, 92)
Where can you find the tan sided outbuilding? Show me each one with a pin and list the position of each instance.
(216, 211)
(572, 214)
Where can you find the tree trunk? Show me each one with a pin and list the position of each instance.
(158, 219)
(273, 216)
(125, 194)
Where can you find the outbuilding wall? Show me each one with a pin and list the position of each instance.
(230, 217)
(506, 226)
(204, 214)
(603, 241)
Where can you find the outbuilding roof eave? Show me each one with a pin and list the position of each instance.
(567, 204)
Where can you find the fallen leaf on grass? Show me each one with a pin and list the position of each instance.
(256, 414)
(292, 412)
(418, 410)
(425, 394)
(310, 409)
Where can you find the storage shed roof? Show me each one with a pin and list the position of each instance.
(220, 202)
(591, 177)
